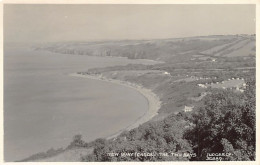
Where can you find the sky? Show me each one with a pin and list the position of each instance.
(54, 23)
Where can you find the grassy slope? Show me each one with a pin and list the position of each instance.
(72, 155)
(164, 50)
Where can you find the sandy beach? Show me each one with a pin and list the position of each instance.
(153, 100)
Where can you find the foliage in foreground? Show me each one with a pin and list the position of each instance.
(225, 123)
(157, 137)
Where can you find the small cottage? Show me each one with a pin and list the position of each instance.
(188, 108)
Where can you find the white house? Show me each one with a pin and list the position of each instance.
(241, 90)
(188, 109)
(202, 85)
(166, 73)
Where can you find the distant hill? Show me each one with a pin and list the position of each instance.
(168, 50)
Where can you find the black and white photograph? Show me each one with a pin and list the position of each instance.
(129, 82)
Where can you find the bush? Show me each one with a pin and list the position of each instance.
(225, 122)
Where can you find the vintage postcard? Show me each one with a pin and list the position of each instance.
(129, 82)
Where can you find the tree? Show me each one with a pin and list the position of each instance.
(152, 137)
(77, 142)
(225, 122)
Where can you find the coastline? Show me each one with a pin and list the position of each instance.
(153, 100)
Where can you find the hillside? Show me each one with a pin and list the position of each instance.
(72, 155)
(167, 50)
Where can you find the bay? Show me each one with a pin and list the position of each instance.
(44, 107)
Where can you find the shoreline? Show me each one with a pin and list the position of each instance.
(153, 100)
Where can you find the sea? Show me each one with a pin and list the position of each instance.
(44, 107)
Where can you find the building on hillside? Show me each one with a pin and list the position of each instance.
(202, 85)
(188, 108)
(166, 73)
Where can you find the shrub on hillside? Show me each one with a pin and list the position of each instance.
(225, 123)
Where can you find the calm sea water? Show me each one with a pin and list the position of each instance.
(44, 107)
